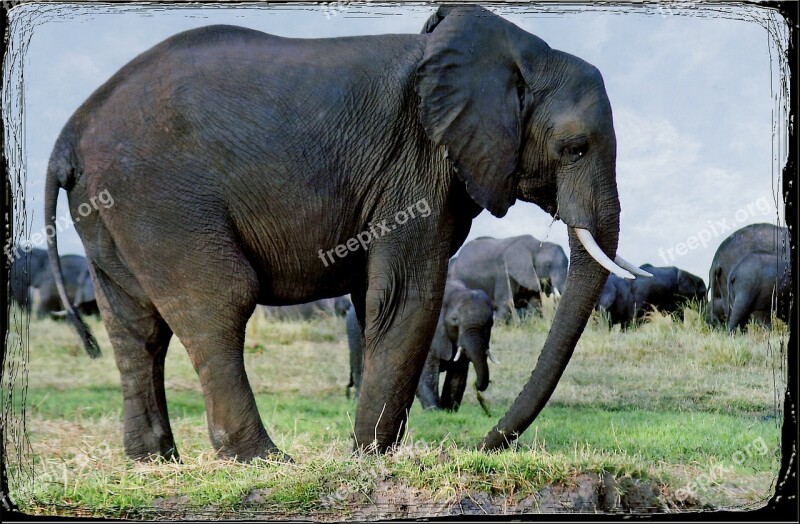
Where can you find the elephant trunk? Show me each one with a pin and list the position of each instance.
(584, 282)
(475, 347)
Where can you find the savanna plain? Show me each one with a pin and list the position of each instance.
(669, 416)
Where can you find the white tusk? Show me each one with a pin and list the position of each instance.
(491, 357)
(593, 249)
(624, 264)
(458, 354)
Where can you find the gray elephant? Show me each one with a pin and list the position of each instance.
(78, 285)
(25, 269)
(323, 307)
(669, 290)
(463, 329)
(463, 333)
(759, 284)
(235, 185)
(513, 271)
(616, 300)
(768, 238)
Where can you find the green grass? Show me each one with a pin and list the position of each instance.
(669, 401)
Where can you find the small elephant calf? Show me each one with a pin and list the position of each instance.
(462, 336)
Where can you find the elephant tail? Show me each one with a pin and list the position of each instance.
(60, 175)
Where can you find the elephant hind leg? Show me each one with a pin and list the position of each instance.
(209, 313)
(739, 313)
(140, 338)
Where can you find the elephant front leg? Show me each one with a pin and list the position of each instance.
(402, 307)
(428, 388)
(455, 383)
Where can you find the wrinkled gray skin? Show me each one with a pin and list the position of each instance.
(78, 284)
(757, 285)
(323, 307)
(513, 271)
(616, 300)
(749, 239)
(237, 158)
(464, 321)
(668, 290)
(25, 270)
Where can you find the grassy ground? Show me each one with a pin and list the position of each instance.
(672, 402)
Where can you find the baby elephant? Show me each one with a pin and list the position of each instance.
(462, 336)
(758, 284)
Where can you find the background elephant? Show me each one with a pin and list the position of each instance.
(215, 213)
(513, 271)
(323, 307)
(759, 284)
(668, 290)
(78, 285)
(462, 335)
(616, 300)
(25, 270)
(749, 239)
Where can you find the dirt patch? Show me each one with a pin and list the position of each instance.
(586, 493)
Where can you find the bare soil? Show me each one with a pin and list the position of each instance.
(389, 500)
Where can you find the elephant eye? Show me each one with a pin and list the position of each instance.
(575, 151)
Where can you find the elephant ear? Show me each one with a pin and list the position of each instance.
(470, 92)
(441, 346)
(519, 266)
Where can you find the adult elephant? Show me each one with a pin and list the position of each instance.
(668, 290)
(749, 239)
(323, 307)
(513, 271)
(464, 329)
(759, 284)
(616, 300)
(25, 269)
(78, 286)
(248, 160)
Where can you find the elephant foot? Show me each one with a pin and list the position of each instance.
(152, 448)
(171, 456)
(275, 456)
(247, 449)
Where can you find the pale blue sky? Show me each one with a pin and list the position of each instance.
(691, 95)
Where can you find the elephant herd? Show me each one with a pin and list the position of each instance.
(492, 277)
(32, 286)
(252, 155)
(750, 278)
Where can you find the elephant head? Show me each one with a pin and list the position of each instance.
(519, 119)
(691, 287)
(466, 327)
